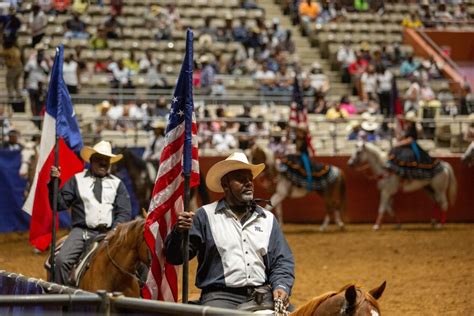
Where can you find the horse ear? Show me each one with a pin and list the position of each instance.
(378, 291)
(351, 295)
(144, 213)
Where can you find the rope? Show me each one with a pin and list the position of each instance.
(280, 308)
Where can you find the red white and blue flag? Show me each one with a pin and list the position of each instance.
(60, 120)
(179, 158)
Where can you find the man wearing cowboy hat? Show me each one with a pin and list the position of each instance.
(98, 202)
(239, 245)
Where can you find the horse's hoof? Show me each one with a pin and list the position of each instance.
(376, 227)
(36, 251)
(439, 226)
(323, 228)
(434, 222)
(398, 226)
(342, 227)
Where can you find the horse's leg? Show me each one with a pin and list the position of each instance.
(388, 187)
(282, 191)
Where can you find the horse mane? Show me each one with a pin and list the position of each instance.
(120, 236)
(381, 155)
(309, 308)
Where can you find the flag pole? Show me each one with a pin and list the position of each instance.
(55, 209)
(187, 195)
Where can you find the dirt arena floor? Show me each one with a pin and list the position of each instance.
(428, 272)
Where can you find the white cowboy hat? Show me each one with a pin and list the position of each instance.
(236, 161)
(410, 116)
(369, 126)
(103, 148)
(158, 124)
(204, 58)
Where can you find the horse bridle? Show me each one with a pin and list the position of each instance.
(120, 268)
(349, 309)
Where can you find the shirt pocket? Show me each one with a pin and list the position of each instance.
(108, 193)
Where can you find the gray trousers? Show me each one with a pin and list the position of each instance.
(70, 253)
(223, 299)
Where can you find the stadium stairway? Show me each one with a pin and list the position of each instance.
(306, 53)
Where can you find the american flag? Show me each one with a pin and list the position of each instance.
(179, 158)
(299, 114)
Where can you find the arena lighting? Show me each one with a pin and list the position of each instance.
(170, 45)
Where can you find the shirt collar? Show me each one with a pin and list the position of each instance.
(222, 208)
(89, 174)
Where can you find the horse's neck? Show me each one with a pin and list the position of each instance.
(376, 159)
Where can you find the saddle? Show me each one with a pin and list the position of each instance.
(261, 299)
(78, 270)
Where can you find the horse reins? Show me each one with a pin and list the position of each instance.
(118, 266)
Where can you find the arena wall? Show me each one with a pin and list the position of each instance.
(363, 197)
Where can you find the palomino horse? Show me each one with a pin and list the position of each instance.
(114, 264)
(468, 156)
(350, 300)
(389, 183)
(334, 195)
(29, 158)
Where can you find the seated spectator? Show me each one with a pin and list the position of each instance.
(426, 93)
(155, 78)
(460, 13)
(321, 106)
(116, 7)
(276, 33)
(132, 63)
(226, 33)
(248, 4)
(223, 140)
(266, 78)
(284, 79)
(121, 76)
(467, 100)
(13, 142)
(287, 44)
(61, 6)
(346, 56)
(80, 6)
(103, 121)
(336, 113)
(369, 129)
(347, 106)
(244, 124)
(10, 25)
(37, 22)
(354, 130)
(309, 11)
(279, 147)
(197, 70)
(99, 41)
(240, 33)
(368, 82)
(75, 28)
(409, 67)
(259, 129)
(412, 96)
(207, 74)
(442, 13)
(46, 6)
(147, 61)
(130, 118)
(218, 88)
(71, 74)
(159, 21)
(112, 27)
(430, 69)
(115, 111)
(161, 109)
(254, 42)
(319, 81)
(412, 21)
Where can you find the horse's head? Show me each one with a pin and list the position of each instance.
(359, 156)
(350, 300)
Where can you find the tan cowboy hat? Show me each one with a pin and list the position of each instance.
(103, 148)
(369, 126)
(236, 161)
(410, 116)
(158, 124)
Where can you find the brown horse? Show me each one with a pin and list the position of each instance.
(350, 300)
(114, 264)
(334, 195)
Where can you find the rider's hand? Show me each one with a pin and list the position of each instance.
(55, 172)
(279, 293)
(185, 221)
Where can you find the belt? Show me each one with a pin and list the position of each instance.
(100, 228)
(245, 291)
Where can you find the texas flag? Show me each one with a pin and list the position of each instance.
(59, 120)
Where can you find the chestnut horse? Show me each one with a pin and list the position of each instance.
(350, 300)
(334, 195)
(115, 263)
